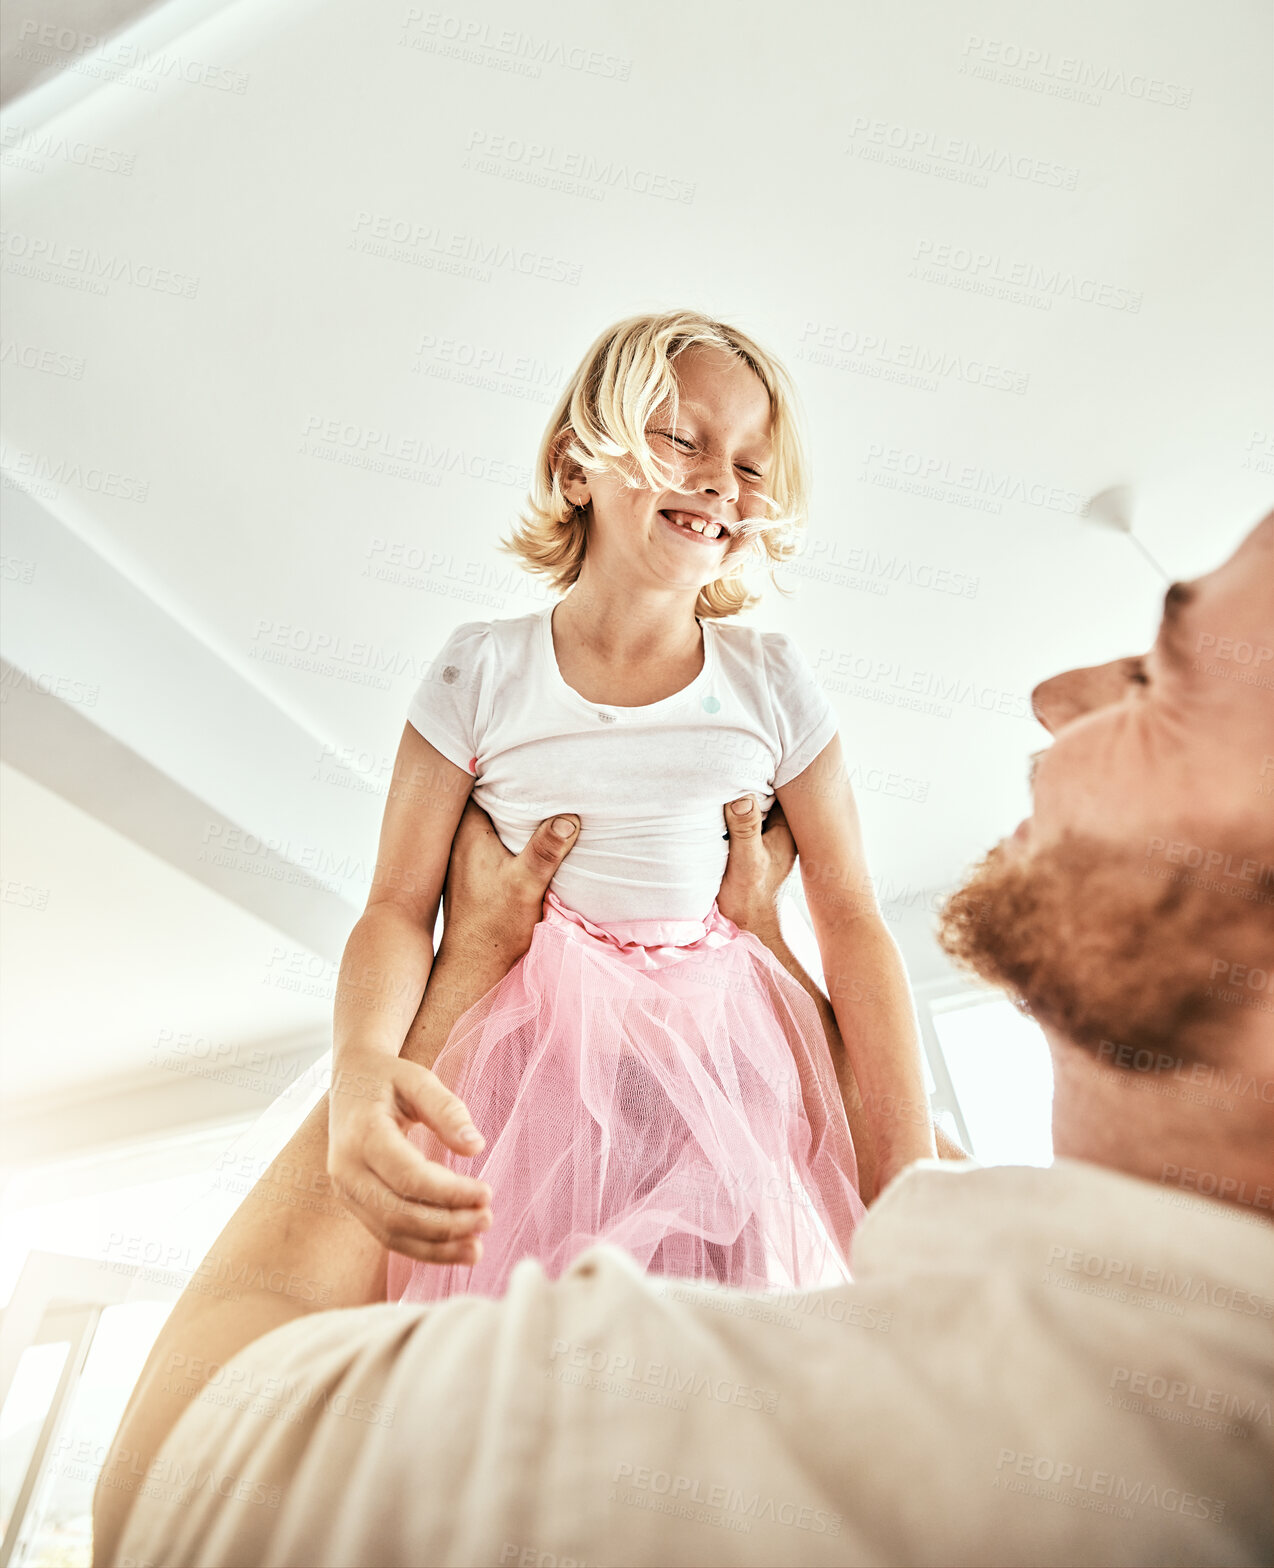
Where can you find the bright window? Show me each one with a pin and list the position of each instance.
(62, 1533)
(30, 1394)
(1002, 1077)
(152, 1232)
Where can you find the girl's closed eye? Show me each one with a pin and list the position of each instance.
(687, 445)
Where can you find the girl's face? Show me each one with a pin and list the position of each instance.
(718, 454)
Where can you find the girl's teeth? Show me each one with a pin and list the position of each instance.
(697, 525)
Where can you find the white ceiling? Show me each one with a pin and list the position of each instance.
(257, 150)
(29, 54)
(144, 953)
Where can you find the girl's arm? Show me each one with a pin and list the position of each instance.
(394, 1190)
(866, 980)
(860, 1128)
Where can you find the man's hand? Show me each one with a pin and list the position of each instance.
(492, 900)
(419, 1207)
(760, 862)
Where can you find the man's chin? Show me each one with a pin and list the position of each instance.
(1081, 936)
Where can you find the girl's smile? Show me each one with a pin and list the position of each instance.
(696, 527)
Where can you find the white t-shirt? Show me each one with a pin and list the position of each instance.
(647, 783)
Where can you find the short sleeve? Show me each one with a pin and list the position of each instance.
(803, 713)
(447, 706)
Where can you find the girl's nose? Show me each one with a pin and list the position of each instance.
(714, 475)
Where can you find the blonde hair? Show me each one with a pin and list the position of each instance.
(600, 423)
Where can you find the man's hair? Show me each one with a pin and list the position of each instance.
(600, 423)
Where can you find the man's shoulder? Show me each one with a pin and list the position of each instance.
(1073, 1219)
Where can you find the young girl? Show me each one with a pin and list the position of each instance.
(647, 1074)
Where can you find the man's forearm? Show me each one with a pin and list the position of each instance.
(464, 970)
(289, 1249)
(291, 1234)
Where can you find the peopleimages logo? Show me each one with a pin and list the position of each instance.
(38, 466)
(893, 674)
(45, 360)
(470, 38)
(940, 472)
(1162, 1390)
(846, 348)
(431, 246)
(728, 1500)
(29, 146)
(41, 253)
(1019, 278)
(487, 151)
(1135, 1276)
(916, 144)
(995, 59)
(116, 59)
(1075, 1478)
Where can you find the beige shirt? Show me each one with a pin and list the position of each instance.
(1052, 1366)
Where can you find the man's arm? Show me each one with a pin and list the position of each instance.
(285, 1260)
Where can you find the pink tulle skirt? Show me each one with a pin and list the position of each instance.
(664, 1086)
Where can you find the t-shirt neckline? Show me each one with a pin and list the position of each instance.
(703, 678)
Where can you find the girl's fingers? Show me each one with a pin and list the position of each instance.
(404, 1170)
(427, 1100)
(395, 1220)
(429, 1236)
(465, 1253)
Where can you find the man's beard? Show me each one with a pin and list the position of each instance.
(1107, 946)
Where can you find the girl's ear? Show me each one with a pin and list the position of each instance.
(570, 475)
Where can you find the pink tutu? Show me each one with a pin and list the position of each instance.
(664, 1086)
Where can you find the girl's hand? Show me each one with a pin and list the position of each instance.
(410, 1204)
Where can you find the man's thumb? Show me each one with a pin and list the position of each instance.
(548, 845)
(742, 818)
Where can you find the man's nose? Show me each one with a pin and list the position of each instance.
(1062, 699)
